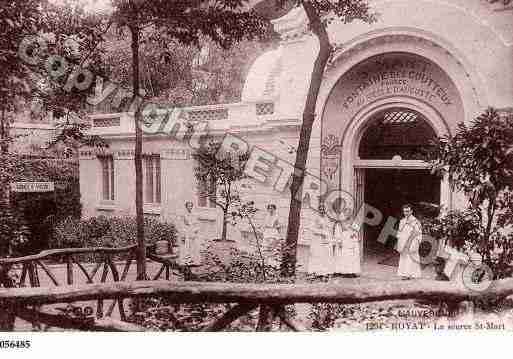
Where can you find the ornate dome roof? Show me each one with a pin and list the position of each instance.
(262, 82)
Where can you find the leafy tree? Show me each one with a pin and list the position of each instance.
(320, 14)
(71, 37)
(478, 161)
(17, 20)
(179, 75)
(225, 22)
(221, 172)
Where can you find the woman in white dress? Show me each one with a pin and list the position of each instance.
(271, 248)
(190, 244)
(346, 249)
(321, 258)
(409, 237)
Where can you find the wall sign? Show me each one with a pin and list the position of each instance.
(32, 187)
(386, 75)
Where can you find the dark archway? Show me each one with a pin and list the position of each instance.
(396, 134)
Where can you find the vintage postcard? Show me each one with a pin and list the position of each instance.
(240, 166)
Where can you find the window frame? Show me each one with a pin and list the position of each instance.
(152, 179)
(107, 175)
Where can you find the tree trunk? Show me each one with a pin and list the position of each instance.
(141, 246)
(223, 234)
(4, 146)
(288, 265)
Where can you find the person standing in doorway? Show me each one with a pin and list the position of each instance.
(409, 237)
(320, 259)
(271, 247)
(190, 245)
(346, 250)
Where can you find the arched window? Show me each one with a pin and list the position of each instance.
(396, 132)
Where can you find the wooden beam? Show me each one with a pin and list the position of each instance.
(229, 317)
(272, 294)
(66, 252)
(48, 272)
(65, 322)
(290, 322)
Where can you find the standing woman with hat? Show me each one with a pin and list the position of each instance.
(320, 261)
(190, 246)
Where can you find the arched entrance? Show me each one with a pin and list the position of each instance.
(377, 120)
(389, 172)
(381, 165)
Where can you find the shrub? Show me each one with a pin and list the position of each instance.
(158, 313)
(35, 214)
(478, 162)
(111, 232)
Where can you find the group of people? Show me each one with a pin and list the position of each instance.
(334, 248)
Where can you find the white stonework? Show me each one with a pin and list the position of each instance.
(449, 59)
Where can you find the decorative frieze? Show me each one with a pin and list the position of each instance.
(175, 154)
(88, 154)
(107, 122)
(264, 108)
(208, 115)
(125, 154)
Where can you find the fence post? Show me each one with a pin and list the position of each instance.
(265, 318)
(7, 317)
(7, 311)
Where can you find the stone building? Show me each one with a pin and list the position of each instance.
(393, 85)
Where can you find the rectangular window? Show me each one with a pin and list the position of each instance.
(107, 164)
(207, 193)
(152, 180)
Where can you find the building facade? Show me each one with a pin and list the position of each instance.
(391, 87)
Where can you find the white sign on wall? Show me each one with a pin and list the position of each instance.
(32, 186)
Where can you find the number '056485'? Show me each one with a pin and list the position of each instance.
(14, 344)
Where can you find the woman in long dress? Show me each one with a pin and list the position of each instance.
(320, 260)
(190, 245)
(346, 250)
(271, 248)
(409, 237)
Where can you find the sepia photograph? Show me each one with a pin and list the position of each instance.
(341, 166)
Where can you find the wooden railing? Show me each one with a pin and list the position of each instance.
(271, 299)
(60, 267)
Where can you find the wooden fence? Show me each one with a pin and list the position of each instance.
(29, 271)
(270, 299)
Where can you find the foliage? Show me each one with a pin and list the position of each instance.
(176, 75)
(71, 36)
(478, 161)
(220, 171)
(35, 213)
(17, 19)
(225, 22)
(105, 231)
(243, 267)
(320, 14)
